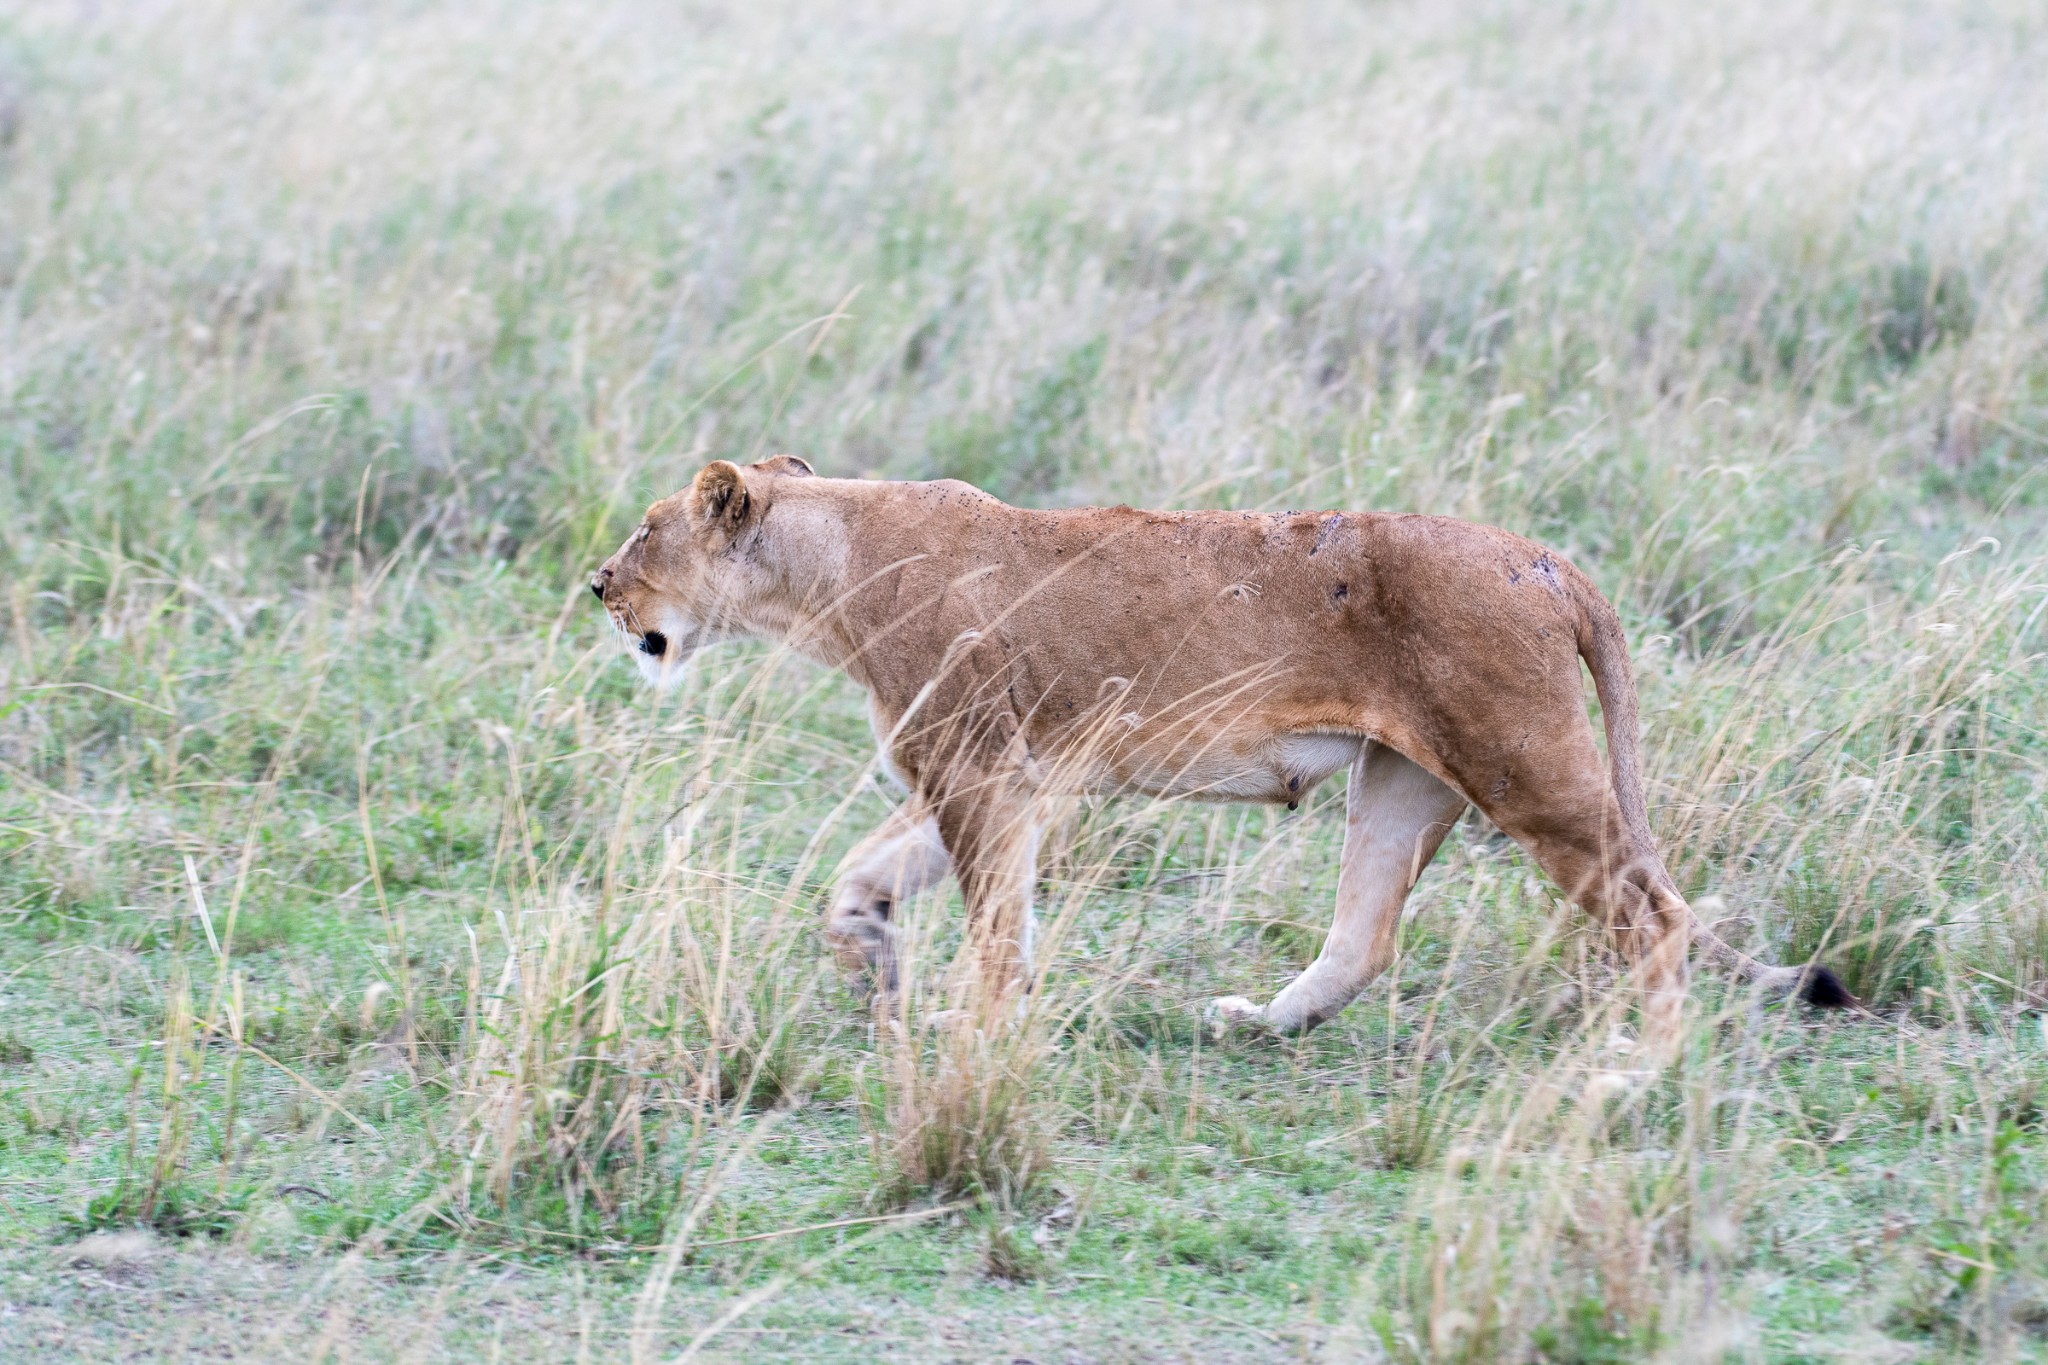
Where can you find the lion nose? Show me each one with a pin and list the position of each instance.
(599, 581)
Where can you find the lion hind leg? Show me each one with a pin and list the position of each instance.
(1395, 816)
(1574, 828)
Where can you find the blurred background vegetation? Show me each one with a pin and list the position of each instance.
(338, 341)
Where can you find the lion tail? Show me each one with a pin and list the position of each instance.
(1604, 647)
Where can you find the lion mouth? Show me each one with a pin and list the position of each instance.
(654, 644)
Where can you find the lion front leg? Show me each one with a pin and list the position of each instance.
(903, 857)
(990, 827)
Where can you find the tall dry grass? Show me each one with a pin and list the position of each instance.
(336, 344)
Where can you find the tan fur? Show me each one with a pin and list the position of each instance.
(1013, 654)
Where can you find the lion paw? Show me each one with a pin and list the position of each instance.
(1229, 1012)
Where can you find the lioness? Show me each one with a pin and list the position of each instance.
(1011, 654)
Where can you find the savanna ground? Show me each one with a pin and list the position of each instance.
(387, 977)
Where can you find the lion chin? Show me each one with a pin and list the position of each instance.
(662, 653)
(664, 672)
(663, 675)
(1015, 657)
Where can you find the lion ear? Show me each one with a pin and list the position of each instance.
(787, 464)
(721, 492)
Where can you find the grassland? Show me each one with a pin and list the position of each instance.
(384, 976)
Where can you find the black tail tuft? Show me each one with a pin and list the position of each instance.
(1824, 989)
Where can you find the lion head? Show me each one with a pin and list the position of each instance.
(681, 581)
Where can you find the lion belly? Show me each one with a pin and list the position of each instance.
(1284, 768)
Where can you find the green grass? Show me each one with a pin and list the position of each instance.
(386, 976)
